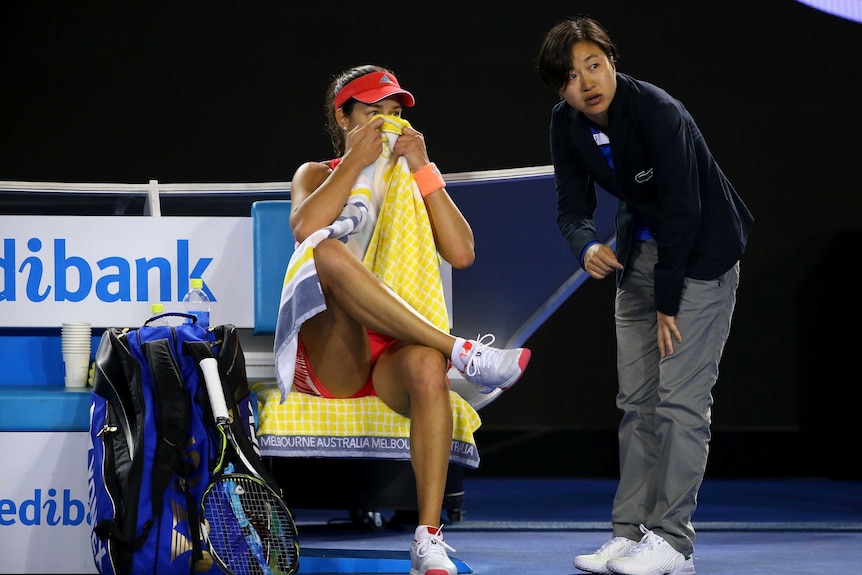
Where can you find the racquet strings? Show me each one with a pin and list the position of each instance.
(249, 529)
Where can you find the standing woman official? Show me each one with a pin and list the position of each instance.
(681, 231)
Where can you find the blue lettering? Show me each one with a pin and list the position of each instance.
(7, 507)
(123, 291)
(142, 269)
(35, 505)
(70, 505)
(183, 273)
(74, 279)
(34, 280)
(51, 508)
(182, 268)
(7, 263)
(61, 265)
(34, 511)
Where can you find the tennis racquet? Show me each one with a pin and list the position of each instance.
(248, 528)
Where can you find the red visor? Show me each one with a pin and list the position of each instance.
(372, 88)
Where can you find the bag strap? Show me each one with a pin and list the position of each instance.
(115, 369)
(191, 317)
(173, 421)
(173, 415)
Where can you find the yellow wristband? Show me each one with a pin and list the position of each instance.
(429, 179)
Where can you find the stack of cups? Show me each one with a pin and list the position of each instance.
(76, 339)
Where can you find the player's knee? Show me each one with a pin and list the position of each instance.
(427, 371)
(329, 255)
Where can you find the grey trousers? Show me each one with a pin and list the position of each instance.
(666, 403)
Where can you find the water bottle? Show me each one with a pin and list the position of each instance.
(197, 303)
(156, 309)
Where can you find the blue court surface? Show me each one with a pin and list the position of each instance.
(535, 527)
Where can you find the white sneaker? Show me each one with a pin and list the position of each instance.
(611, 549)
(428, 553)
(652, 556)
(489, 368)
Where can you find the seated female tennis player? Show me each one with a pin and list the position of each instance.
(369, 341)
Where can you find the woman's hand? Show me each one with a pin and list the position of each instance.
(600, 260)
(411, 145)
(364, 144)
(667, 332)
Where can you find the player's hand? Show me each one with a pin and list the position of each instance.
(600, 260)
(364, 143)
(411, 145)
(667, 332)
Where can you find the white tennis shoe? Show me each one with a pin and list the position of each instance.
(489, 368)
(428, 553)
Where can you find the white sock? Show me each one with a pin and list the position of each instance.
(424, 531)
(461, 353)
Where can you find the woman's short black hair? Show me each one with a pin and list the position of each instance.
(555, 55)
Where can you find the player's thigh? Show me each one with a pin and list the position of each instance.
(338, 351)
(404, 371)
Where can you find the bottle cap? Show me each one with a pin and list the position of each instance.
(157, 308)
(197, 283)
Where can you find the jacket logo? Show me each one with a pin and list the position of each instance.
(643, 176)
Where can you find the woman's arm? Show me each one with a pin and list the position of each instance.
(452, 233)
(576, 193)
(318, 194)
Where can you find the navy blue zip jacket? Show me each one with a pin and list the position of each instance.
(663, 172)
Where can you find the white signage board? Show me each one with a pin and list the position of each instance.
(44, 516)
(107, 270)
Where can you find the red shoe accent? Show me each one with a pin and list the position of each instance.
(524, 359)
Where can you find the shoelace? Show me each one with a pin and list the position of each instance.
(648, 541)
(484, 357)
(610, 543)
(433, 545)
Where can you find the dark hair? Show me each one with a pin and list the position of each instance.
(336, 133)
(555, 55)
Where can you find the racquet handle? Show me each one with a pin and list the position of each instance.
(209, 367)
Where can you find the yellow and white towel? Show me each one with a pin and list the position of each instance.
(363, 427)
(401, 252)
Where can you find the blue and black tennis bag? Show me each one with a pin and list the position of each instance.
(152, 445)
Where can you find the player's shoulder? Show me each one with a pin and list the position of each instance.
(313, 171)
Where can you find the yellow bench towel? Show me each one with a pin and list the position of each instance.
(363, 427)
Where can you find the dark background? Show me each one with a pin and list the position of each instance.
(191, 92)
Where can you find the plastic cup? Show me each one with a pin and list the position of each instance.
(76, 334)
(75, 342)
(77, 368)
(74, 350)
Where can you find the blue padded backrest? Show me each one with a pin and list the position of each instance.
(273, 245)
